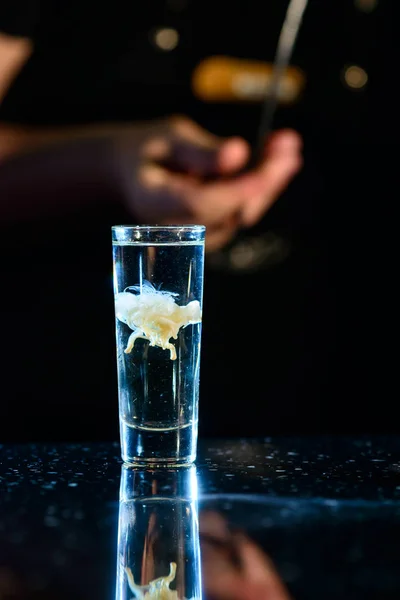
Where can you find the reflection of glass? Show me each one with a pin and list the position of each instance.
(158, 535)
(158, 285)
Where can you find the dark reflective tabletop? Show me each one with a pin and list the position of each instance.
(302, 518)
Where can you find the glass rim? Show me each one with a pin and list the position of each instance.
(188, 227)
(157, 234)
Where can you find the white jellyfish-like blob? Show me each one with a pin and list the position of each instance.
(158, 589)
(154, 315)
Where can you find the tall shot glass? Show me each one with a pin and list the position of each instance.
(158, 287)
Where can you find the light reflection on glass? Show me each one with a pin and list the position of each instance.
(158, 535)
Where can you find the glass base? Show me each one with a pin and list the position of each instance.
(158, 462)
(145, 446)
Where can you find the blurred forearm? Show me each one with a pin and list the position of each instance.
(55, 178)
(16, 139)
(19, 139)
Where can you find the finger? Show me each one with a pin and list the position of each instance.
(284, 140)
(213, 523)
(158, 196)
(153, 176)
(259, 569)
(194, 150)
(229, 156)
(233, 155)
(283, 160)
(192, 132)
(181, 144)
(219, 237)
(215, 205)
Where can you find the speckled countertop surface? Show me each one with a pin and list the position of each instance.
(326, 510)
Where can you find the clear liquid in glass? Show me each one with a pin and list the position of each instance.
(158, 396)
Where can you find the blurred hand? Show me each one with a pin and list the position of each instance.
(234, 567)
(184, 174)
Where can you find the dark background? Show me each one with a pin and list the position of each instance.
(305, 345)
